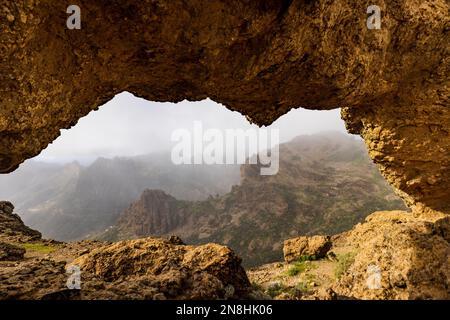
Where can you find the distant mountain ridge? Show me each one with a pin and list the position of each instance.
(326, 184)
(71, 202)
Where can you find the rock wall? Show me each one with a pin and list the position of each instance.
(258, 57)
(12, 226)
(411, 146)
(398, 257)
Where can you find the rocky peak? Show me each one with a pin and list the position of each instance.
(155, 213)
(12, 226)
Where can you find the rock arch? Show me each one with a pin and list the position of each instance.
(258, 57)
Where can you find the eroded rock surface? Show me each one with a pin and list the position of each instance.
(315, 246)
(259, 57)
(160, 269)
(150, 268)
(12, 227)
(398, 256)
(9, 252)
(411, 146)
(391, 255)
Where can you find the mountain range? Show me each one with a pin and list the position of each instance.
(71, 201)
(326, 184)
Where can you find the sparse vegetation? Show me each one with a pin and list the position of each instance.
(297, 268)
(276, 289)
(38, 247)
(257, 286)
(343, 264)
(300, 265)
(302, 287)
(298, 290)
(307, 258)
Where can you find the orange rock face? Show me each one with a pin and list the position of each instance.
(261, 58)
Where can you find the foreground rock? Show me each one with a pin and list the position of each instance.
(151, 268)
(12, 227)
(138, 269)
(398, 256)
(154, 268)
(391, 255)
(9, 252)
(315, 246)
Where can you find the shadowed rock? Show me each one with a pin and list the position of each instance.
(12, 227)
(9, 252)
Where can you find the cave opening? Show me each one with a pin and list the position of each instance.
(113, 176)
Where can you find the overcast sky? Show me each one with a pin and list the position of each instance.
(128, 126)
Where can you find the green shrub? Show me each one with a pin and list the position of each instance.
(302, 287)
(275, 289)
(300, 265)
(307, 258)
(297, 268)
(257, 286)
(38, 247)
(343, 264)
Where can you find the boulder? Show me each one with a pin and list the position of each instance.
(12, 228)
(316, 246)
(9, 252)
(398, 256)
(153, 268)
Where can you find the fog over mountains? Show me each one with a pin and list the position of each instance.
(68, 202)
(325, 185)
(93, 182)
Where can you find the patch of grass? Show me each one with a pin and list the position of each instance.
(276, 289)
(302, 287)
(343, 264)
(38, 247)
(257, 286)
(300, 265)
(307, 258)
(297, 268)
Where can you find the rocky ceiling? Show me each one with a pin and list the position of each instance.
(259, 57)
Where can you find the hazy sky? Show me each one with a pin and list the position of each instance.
(128, 126)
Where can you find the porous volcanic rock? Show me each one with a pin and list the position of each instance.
(9, 252)
(398, 256)
(258, 57)
(316, 246)
(156, 268)
(32, 279)
(409, 142)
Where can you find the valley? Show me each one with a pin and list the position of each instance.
(326, 184)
